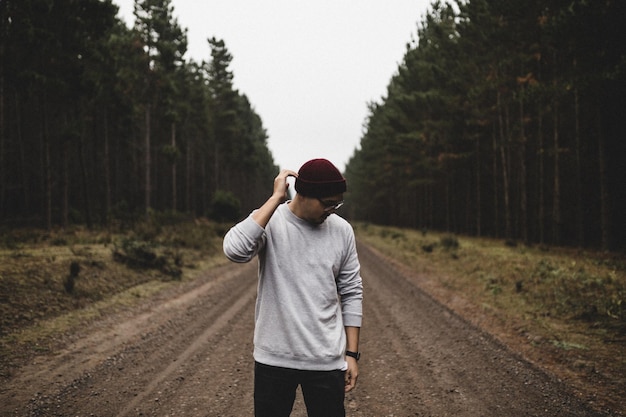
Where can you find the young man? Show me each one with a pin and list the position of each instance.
(309, 303)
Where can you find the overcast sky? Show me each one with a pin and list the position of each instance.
(309, 68)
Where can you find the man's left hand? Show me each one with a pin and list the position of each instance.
(352, 373)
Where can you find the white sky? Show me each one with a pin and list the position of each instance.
(309, 68)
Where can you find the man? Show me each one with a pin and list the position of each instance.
(309, 303)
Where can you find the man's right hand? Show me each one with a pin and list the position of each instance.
(263, 215)
(281, 185)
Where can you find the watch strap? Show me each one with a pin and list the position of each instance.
(355, 355)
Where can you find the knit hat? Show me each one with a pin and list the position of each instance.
(320, 178)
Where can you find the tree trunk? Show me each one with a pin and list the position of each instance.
(478, 191)
(204, 201)
(556, 192)
(45, 139)
(431, 206)
(174, 197)
(3, 176)
(605, 213)
(188, 173)
(107, 169)
(505, 170)
(22, 163)
(541, 203)
(522, 180)
(579, 191)
(448, 203)
(494, 178)
(65, 210)
(147, 160)
(85, 179)
(216, 168)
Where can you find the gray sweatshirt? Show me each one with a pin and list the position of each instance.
(309, 288)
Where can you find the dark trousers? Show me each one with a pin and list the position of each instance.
(275, 391)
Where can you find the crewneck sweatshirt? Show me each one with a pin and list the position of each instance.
(309, 288)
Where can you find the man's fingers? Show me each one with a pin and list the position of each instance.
(350, 381)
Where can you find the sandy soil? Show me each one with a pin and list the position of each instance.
(188, 352)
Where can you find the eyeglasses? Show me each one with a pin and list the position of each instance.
(331, 205)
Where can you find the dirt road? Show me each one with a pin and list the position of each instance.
(188, 353)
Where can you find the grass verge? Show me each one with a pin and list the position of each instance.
(108, 272)
(563, 309)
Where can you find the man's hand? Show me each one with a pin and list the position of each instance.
(264, 213)
(352, 373)
(352, 344)
(281, 184)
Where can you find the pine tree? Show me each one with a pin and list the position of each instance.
(165, 44)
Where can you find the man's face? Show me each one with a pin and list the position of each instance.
(321, 208)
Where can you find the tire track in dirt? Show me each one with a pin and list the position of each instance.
(150, 363)
(217, 380)
(102, 340)
(118, 368)
(195, 345)
(189, 353)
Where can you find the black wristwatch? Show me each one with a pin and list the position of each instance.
(355, 355)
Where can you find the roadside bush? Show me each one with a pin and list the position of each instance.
(579, 294)
(225, 207)
(449, 242)
(149, 228)
(16, 238)
(428, 247)
(122, 215)
(143, 255)
(8, 241)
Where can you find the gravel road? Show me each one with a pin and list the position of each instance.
(188, 352)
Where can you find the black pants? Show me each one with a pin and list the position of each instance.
(275, 391)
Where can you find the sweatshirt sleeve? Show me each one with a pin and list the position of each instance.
(244, 240)
(350, 286)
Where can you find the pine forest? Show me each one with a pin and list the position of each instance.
(504, 119)
(101, 123)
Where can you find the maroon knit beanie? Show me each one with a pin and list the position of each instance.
(319, 178)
